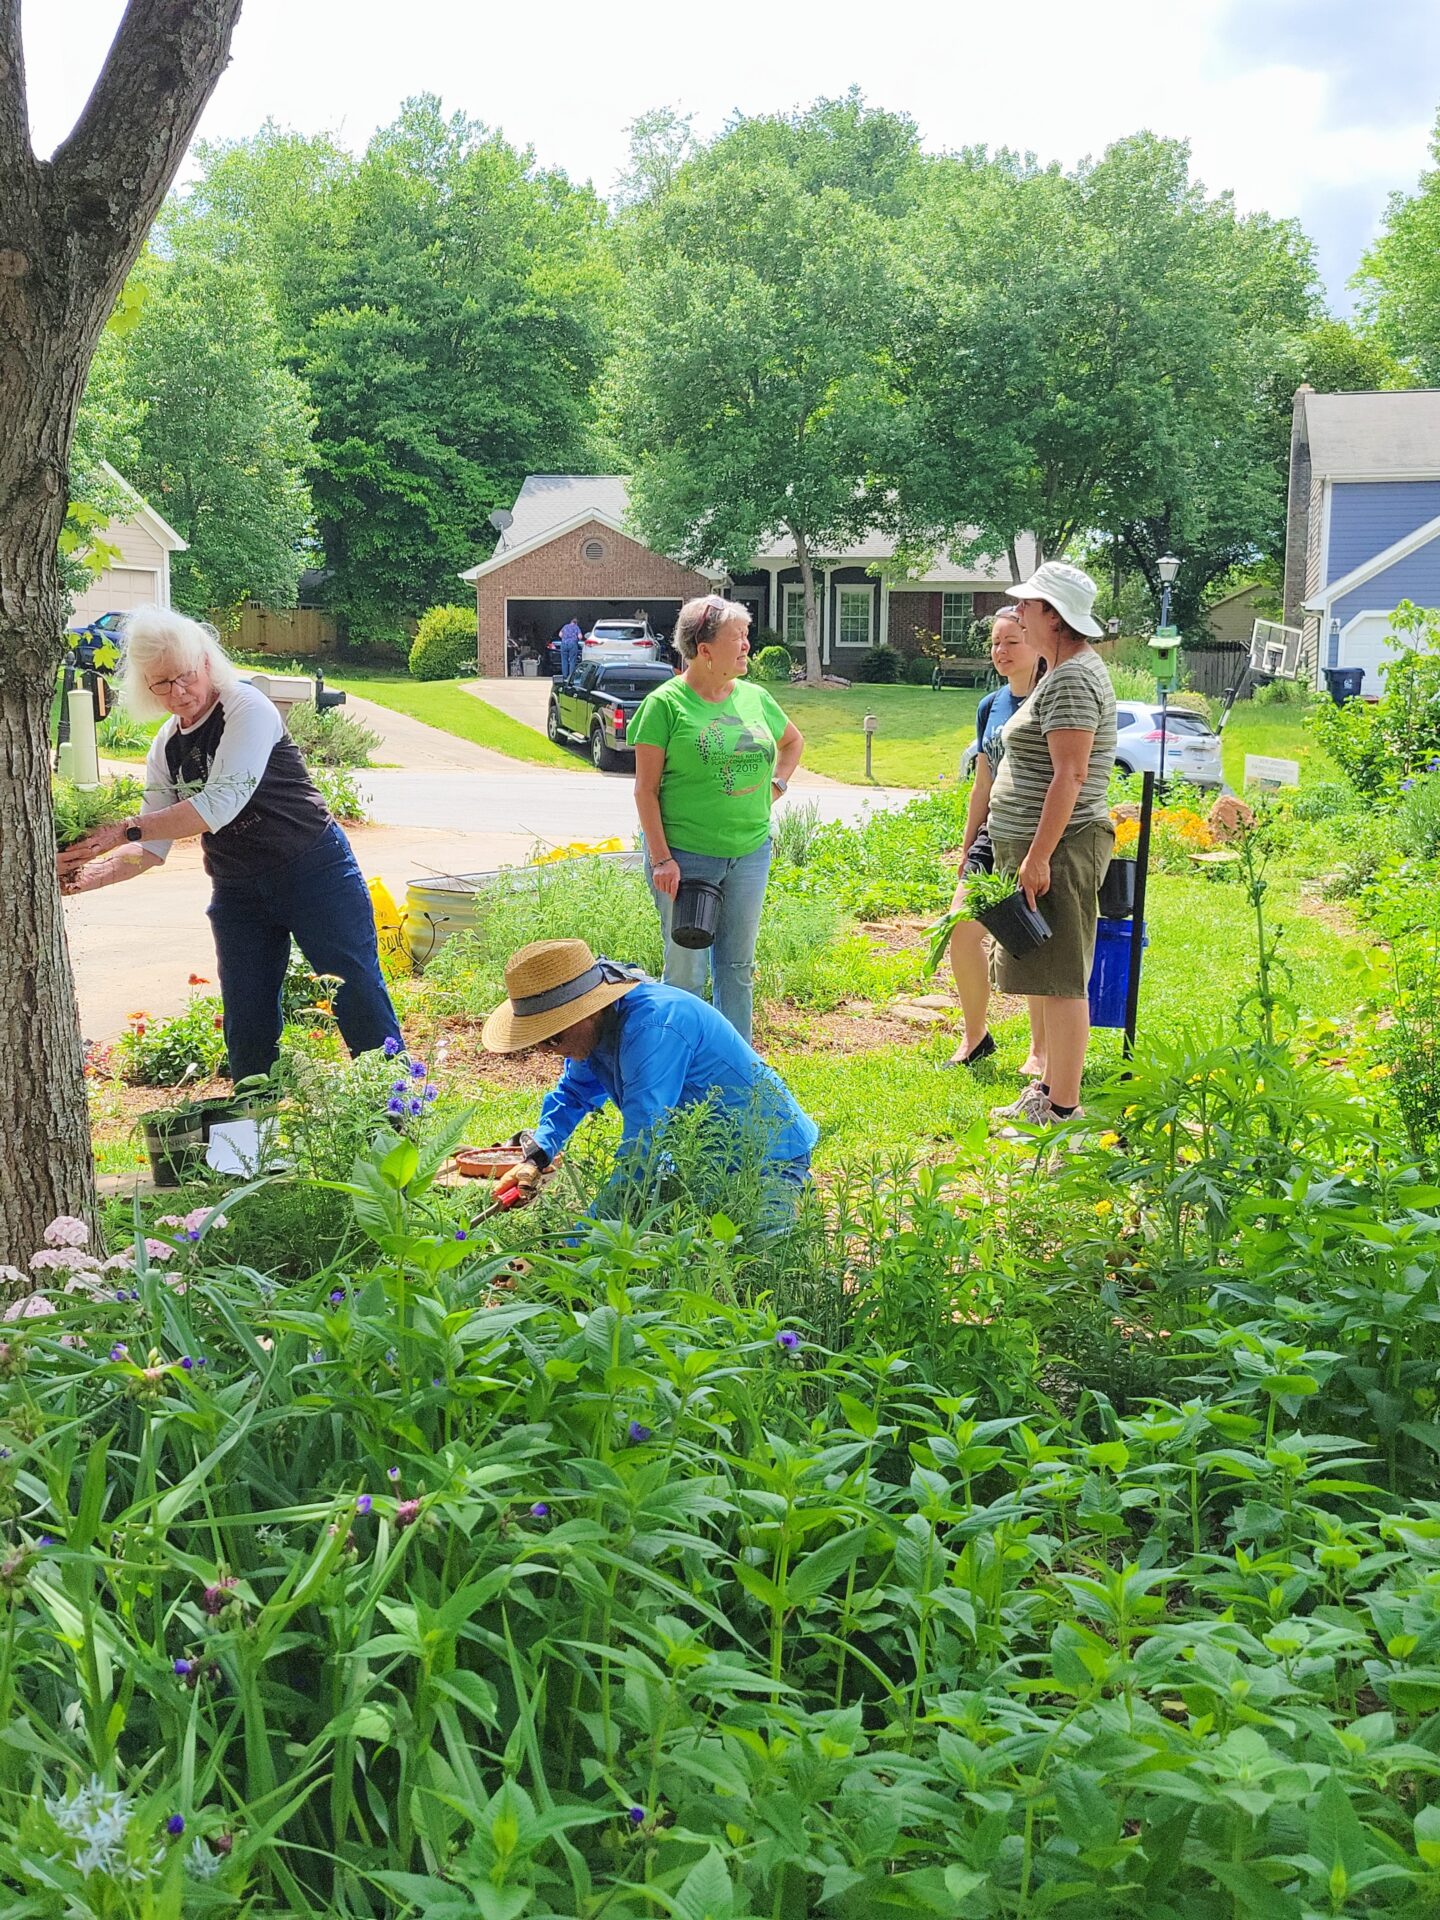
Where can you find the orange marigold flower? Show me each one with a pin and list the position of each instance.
(198, 980)
(218, 1023)
(142, 1015)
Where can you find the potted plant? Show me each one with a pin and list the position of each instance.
(1117, 889)
(995, 901)
(175, 1141)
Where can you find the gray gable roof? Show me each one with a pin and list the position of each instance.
(1373, 436)
(550, 499)
(556, 499)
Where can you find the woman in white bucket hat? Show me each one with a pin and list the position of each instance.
(1050, 825)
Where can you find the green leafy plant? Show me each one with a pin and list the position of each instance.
(332, 738)
(168, 1053)
(79, 811)
(342, 793)
(444, 644)
(880, 667)
(771, 664)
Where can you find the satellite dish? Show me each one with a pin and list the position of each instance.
(502, 518)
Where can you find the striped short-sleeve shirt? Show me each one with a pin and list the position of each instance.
(1075, 696)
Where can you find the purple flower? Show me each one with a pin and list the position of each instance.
(636, 1816)
(417, 1069)
(187, 1363)
(461, 1234)
(432, 1093)
(539, 1511)
(395, 1104)
(1406, 785)
(400, 1086)
(175, 1825)
(337, 1294)
(417, 1106)
(392, 1473)
(182, 1668)
(364, 1503)
(391, 1047)
(787, 1339)
(118, 1352)
(191, 1233)
(46, 1540)
(121, 1294)
(638, 1433)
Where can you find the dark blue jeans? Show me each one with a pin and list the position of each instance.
(322, 900)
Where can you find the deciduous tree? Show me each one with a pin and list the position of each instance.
(71, 228)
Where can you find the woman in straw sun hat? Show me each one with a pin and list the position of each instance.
(648, 1049)
(1050, 825)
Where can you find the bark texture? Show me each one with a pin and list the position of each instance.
(71, 228)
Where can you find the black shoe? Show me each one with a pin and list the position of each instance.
(981, 1050)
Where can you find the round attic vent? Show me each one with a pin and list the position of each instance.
(593, 551)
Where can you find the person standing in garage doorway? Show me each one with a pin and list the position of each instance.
(570, 638)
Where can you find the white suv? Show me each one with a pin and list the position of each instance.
(627, 640)
(1192, 746)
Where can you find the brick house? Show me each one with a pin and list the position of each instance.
(566, 552)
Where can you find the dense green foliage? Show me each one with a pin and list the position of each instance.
(771, 664)
(1399, 279)
(444, 644)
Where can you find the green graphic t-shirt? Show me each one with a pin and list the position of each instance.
(715, 790)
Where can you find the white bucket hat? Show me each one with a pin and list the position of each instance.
(1069, 591)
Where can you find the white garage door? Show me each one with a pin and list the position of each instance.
(1366, 643)
(116, 591)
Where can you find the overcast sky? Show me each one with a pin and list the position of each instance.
(1316, 108)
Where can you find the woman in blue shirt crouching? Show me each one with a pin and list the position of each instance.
(651, 1051)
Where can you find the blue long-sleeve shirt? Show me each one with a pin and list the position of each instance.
(660, 1049)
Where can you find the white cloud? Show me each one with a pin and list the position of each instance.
(566, 79)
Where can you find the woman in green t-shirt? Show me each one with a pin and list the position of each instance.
(712, 755)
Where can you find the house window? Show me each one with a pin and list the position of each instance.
(855, 608)
(957, 610)
(794, 616)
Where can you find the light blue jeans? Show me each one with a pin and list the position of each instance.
(729, 965)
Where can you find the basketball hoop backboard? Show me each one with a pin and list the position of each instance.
(1275, 650)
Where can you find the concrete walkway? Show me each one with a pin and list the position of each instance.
(409, 743)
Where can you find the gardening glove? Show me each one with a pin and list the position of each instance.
(522, 1179)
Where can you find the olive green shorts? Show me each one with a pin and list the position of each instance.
(1059, 969)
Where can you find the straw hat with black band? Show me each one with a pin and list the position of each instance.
(552, 984)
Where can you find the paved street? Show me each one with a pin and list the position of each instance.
(449, 807)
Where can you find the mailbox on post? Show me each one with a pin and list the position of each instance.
(869, 723)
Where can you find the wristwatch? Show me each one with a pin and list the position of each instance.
(781, 786)
(134, 832)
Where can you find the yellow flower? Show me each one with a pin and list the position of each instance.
(1378, 1073)
(1102, 1207)
(1109, 1140)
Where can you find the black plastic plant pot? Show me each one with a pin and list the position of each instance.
(697, 914)
(1117, 890)
(1016, 925)
(175, 1144)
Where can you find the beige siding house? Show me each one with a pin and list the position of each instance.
(140, 577)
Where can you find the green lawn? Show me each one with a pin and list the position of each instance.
(919, 738)
(1279, 731)
(444, 704)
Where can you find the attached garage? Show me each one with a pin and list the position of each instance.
(1365, 642)
(140, 576)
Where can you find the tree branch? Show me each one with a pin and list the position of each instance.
(15, 152)
(115, 169)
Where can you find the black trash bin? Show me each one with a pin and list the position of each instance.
(1344, 683)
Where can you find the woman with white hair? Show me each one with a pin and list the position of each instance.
(712, 756)
(223, 767)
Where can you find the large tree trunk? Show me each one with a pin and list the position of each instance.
(812, 611)
(70, 230)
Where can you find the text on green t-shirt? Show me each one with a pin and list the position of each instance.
(719, 757)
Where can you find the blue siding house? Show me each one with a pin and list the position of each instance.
(1363, 528)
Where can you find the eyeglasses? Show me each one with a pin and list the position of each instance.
(177, 683)
(714, 606)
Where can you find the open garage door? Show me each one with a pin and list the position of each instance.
(530, 625)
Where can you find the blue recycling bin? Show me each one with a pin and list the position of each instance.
(1344, 683)
(1110, 975)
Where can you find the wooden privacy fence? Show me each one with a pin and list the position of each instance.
(1212, 670)
(283, 630)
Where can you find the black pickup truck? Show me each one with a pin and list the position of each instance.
(598, 704)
